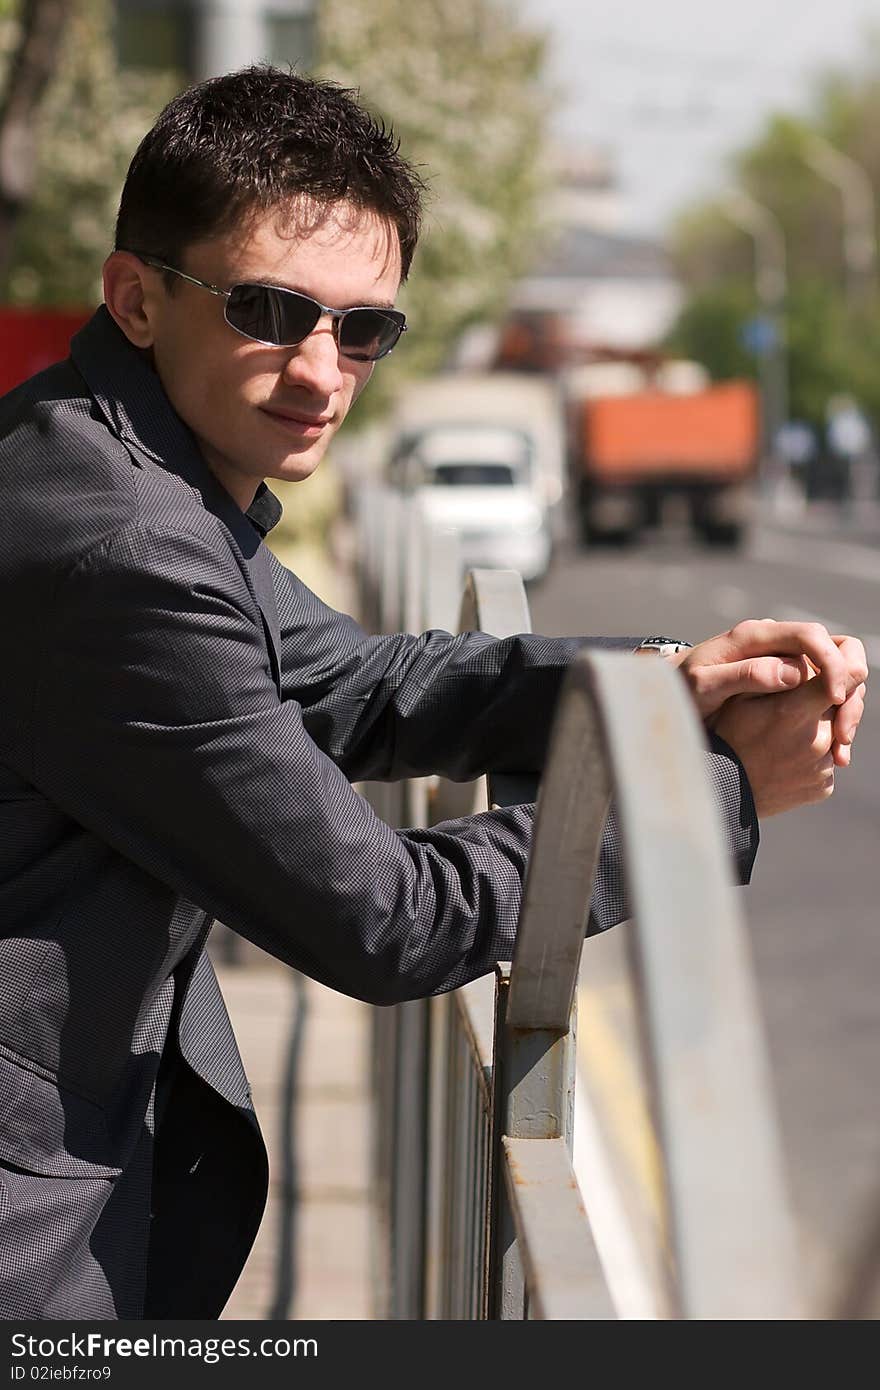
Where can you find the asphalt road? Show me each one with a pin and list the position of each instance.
(813, 904)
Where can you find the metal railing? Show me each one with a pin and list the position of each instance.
(479, 1207)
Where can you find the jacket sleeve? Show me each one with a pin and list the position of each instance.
(404, 706)
(739, 823)
(157, 726)
(398, 706)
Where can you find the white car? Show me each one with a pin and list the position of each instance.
(477, 481)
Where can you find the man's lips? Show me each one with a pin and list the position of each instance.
(296, 421)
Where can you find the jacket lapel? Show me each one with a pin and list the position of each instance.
(131, 399)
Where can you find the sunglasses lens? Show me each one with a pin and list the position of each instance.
(285, 318)
(271, 316)
(367, 334)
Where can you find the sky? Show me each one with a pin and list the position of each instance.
(670, 87)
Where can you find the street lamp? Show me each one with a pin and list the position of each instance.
(859, 212)
(771, 287)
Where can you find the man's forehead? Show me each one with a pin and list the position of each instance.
(279, 234)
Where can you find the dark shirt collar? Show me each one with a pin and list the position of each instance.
(133, 401)
(265, 510)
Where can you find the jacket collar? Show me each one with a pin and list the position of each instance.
(132, 400)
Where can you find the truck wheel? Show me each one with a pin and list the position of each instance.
(593, 534)
(652, 511)
(723, 534)
(618, 536)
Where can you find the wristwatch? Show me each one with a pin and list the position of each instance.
(663, 646)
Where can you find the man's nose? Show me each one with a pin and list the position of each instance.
(314, 363)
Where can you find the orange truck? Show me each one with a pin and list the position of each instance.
(633, 443)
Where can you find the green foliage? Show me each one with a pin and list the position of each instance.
(91, 122)
(829, 349)
(832, 342)
(708, 330)
(460, 82)
(9, 30)
(819, 352)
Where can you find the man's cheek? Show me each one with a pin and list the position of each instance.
(360, 382)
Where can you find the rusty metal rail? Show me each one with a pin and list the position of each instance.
(672, 1123)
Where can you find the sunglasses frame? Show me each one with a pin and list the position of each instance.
(337, 315)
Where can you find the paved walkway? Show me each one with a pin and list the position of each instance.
(330, 1130)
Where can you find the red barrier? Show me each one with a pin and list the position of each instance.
(31, 339)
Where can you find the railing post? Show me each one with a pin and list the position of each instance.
(413, 575)
(409, 1159)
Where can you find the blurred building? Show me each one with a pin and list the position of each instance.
(203, 38)
(588, 192)
(594, 286)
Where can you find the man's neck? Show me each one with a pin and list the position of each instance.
(241, 488)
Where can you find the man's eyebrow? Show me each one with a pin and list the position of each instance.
(369, 304)
(355, 303)
(372, 304)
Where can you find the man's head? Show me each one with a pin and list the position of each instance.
(255, 141)
(260, 177)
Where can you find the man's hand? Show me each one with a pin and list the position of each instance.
(785, 744)
(764, 657)
(789, 745)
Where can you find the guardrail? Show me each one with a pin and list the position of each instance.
(480, 1212)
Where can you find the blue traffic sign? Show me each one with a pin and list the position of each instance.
(759, 335)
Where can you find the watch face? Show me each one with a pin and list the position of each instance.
(664, 646)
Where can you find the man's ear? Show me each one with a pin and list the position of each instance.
(130, 290)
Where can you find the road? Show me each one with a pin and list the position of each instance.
(813, 904)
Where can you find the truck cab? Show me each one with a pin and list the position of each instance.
(480, 482)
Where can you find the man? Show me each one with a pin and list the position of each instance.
(180, 719)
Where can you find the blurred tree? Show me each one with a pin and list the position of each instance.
(709, 328)
(832, 347)
(31, 64)
(460, 82)
(87, 129)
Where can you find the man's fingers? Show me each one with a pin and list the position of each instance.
(764, 657)
(786, 744)
(842, 754)
(764, 636)
(848, 716)
(825, 777)
(758, 675)
(853, 653)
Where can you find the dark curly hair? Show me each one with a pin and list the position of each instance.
(253, 140)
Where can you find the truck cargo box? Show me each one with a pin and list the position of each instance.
(712, 433)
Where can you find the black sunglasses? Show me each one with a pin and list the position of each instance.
(283, 318)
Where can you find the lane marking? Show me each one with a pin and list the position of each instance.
(734, 603)
(675, 580)
(617, 1162)
(731, 601)
(870, 641)
(833, 557)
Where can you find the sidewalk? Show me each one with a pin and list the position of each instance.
(330, 1130)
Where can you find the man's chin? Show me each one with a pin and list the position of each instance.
(297, 467)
